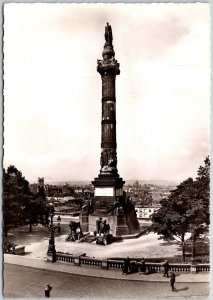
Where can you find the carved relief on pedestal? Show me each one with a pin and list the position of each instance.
(108, 161)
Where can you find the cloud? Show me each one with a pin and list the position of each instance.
(159, 35)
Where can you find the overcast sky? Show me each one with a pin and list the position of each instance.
(52, 91)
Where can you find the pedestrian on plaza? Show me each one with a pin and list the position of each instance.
(98, 225)
(143, 266)
(166, 268)
(126, 266)
(172, 280)
(47, 290)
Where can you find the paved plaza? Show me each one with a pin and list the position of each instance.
(25, 276)
(36, 245)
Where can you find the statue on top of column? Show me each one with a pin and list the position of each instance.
(108, 34)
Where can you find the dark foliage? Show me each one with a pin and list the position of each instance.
(20, 206)
(185, 211)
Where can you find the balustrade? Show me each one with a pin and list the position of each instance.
(118, 264)
(180, 267)
(90, 261)
(153, 267)
(202, 268)
(64, 257)
(115, 264)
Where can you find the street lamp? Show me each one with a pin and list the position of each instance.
(59, 224)
(51, 248)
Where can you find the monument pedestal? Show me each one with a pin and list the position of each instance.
(106, 205)
(116, 222)
(84, 220)
(120, 226)
(108, 187)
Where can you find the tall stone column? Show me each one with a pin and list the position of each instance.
(108, 69)
(109, 203)
(108, 185)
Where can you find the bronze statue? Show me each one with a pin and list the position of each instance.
(108, 34)
(112, 162)
(104, 158)
(88, 207)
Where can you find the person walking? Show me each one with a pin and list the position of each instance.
(172, 280)
(126, 266)
(166, 268)
(47, 291)
(143, 266)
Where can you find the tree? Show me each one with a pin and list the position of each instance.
(199, 210)
(170, 221)
(186, 211)
(203, 189)
(19, 204)
(16, 192)
(34, 211)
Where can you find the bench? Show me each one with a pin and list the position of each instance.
(19, 250)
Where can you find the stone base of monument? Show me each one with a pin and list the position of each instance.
(120, 226)
(84, 220)
(117, 223)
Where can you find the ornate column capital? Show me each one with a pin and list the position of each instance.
(108, 67)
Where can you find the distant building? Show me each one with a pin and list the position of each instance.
(67, 204)
(39, 187)
(33, 188)
(145, 212)
(78, 191)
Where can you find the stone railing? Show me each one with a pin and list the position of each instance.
(118, 264)
(88, 261)
(64, 257)
(202, 268)
(114, 264)
(153, 267)
(180, 267)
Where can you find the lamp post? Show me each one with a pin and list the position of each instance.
(51, 248)
(59, 224)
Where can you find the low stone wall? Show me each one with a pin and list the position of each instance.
(19, 250)
(112, 264)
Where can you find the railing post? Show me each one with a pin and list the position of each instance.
(161, 269)
(193, 269)
(49, 257)
(104, 264)
(77, 261)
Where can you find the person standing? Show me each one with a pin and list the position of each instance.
(126, 267)
(166, 268)
(143, 266)
(98, 225)
(172, 280)
(47, 291)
